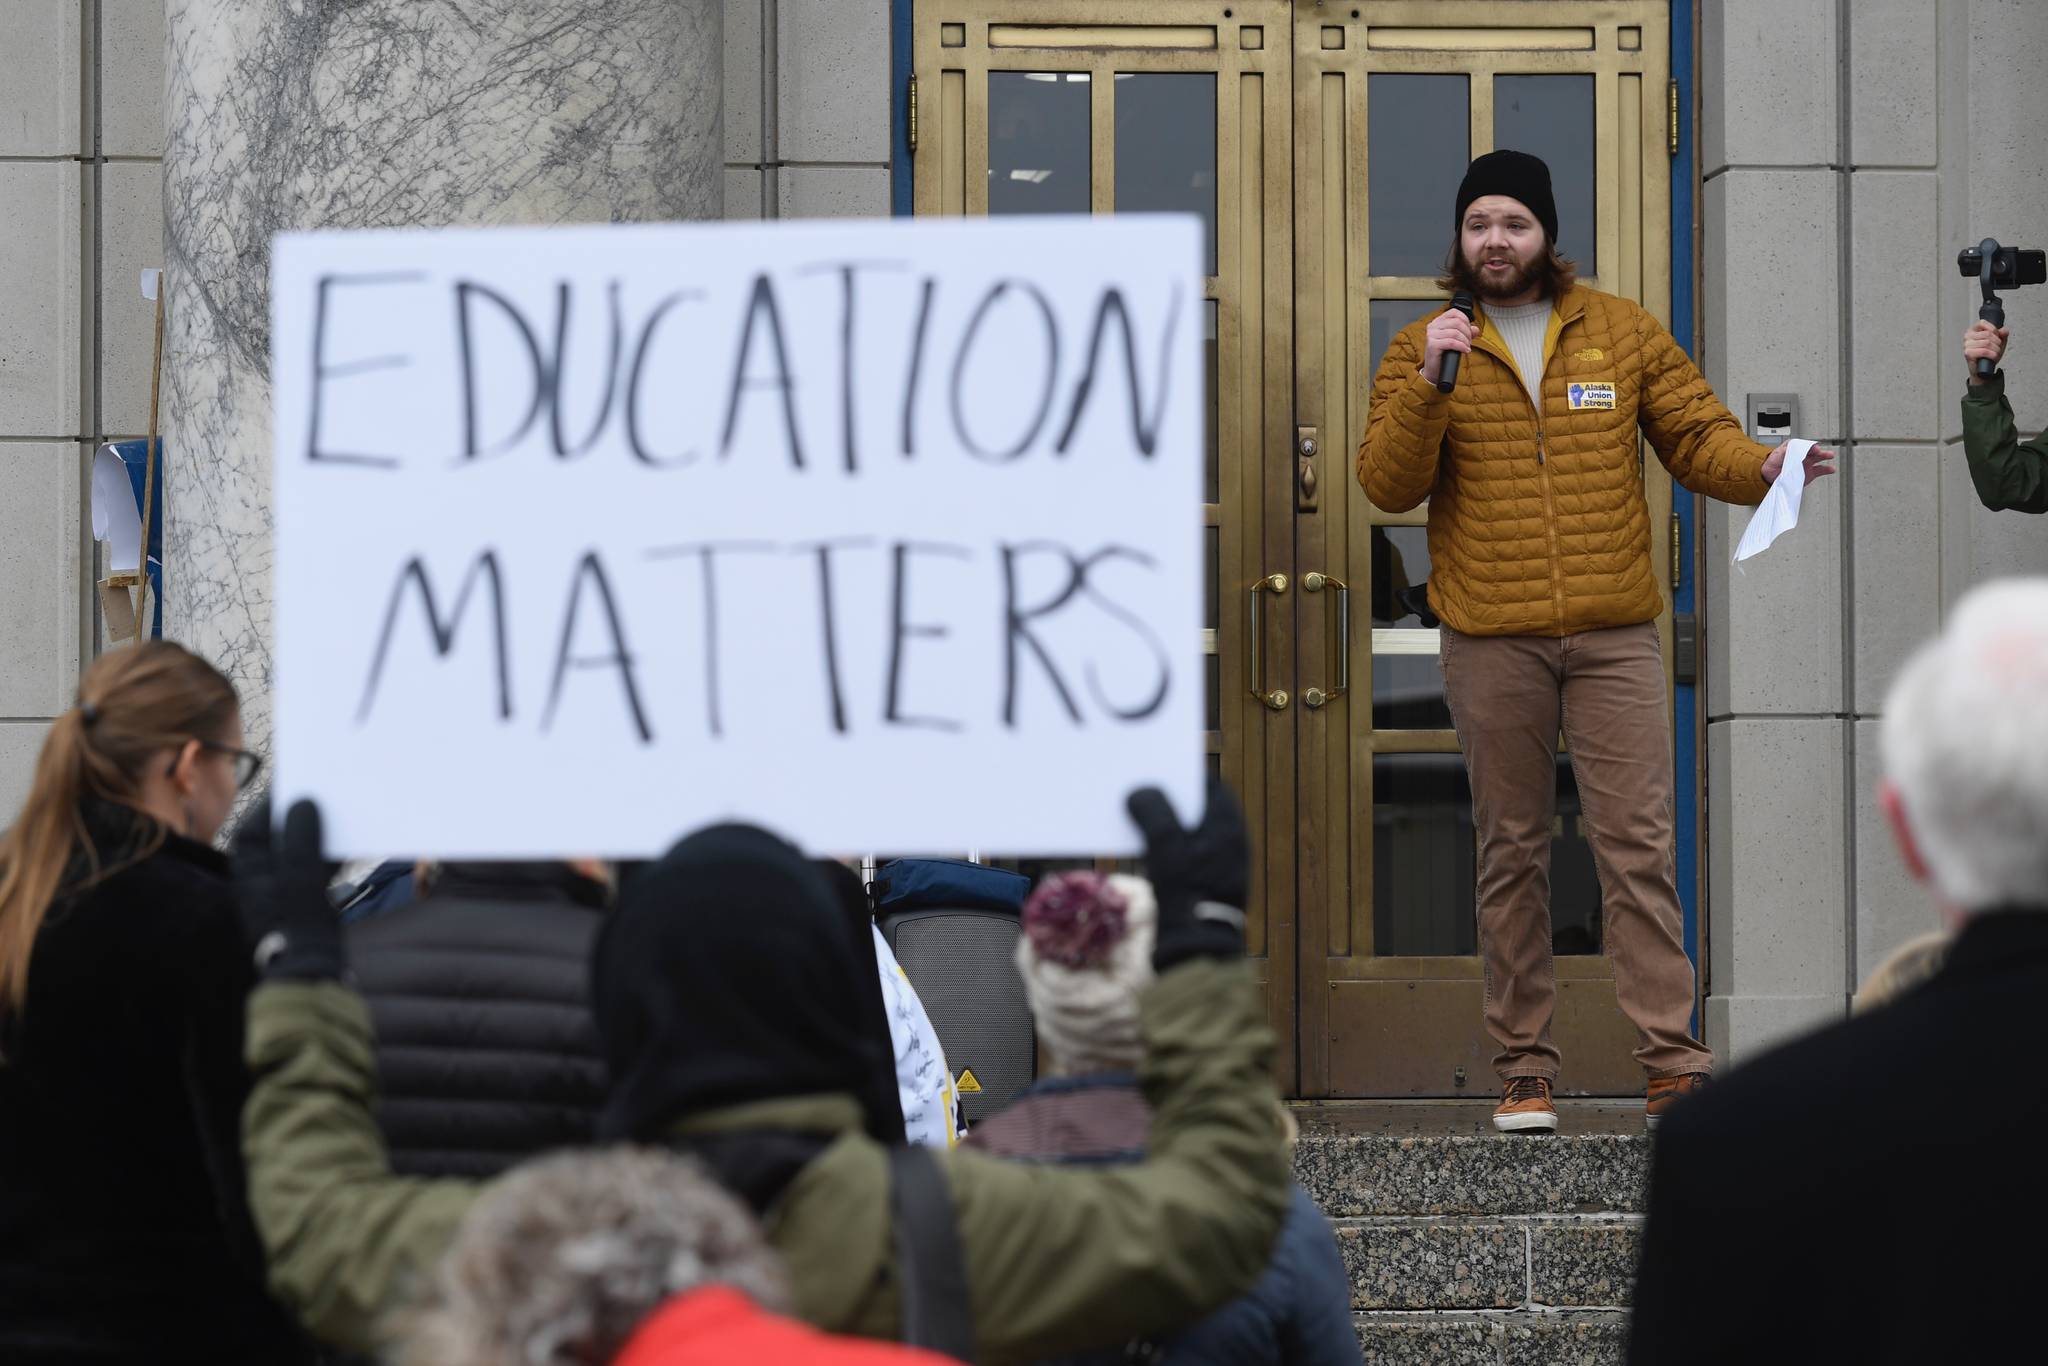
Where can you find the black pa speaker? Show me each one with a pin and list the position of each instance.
(964, 967)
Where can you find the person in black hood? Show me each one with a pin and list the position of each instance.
(731, 975)
(478, 993)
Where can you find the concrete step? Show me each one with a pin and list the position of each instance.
(1565, 1339)
(1464, 1245)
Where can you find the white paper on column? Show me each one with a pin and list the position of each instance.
(1779, 511)
(152, 280)
(115, 518)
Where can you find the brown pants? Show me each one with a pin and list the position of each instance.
(1509, 695)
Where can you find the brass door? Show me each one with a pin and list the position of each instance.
(1391, 99)
(1322, 144)
(1076, 106)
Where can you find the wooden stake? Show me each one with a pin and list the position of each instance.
(156, 371)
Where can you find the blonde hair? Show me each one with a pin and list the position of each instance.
(563, 1258)
(132, 705)
(1903, 969)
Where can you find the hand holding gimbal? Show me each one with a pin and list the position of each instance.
(1997, 268)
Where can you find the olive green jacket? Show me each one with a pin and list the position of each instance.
(2008, 473)
(1059, 1259)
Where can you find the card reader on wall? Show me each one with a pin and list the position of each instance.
(1773, 417)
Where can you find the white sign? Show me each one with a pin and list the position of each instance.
(885, 535)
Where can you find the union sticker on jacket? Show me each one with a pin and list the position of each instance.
(1590, 395)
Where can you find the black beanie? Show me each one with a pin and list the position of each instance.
(1517, 175)
(729, 973)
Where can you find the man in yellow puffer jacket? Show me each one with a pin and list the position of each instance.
(1539, 547)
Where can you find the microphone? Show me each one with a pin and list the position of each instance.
(1447, 364)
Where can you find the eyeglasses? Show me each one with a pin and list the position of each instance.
(247, 765)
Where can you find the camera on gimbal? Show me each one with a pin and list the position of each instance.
(1997, 268)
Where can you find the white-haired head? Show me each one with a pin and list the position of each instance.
(562, 1258)
(1966, 751)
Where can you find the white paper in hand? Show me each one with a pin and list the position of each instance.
(1779, 511)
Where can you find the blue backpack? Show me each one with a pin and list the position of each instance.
(918, 884)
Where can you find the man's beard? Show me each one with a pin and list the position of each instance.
(1521, 275)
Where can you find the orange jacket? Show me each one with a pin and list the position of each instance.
(718, 1326)
(1537, 521)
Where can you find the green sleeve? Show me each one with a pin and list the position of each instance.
(2008, 472)
(1060, 1259)
(346, 1240)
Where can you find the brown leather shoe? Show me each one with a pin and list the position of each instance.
(1525, 1107)
(1666, 1092)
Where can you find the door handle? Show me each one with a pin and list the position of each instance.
(1276, 584)
(1314, 582)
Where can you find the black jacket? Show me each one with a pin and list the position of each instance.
(480, 998)
(124, 1235)
(1873, 1193)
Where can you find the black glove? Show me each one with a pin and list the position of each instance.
(1202, 877)
(281, 890)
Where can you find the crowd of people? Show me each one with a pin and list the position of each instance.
(536, 1116)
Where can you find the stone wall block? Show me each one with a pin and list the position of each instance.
(20, 743)
(1892, 82)
(1895, 550)
(1895, 306)
(1766, 100)
(1740, 1028)
(1778, 857)
(131, 80)
(744, 142)
(131, 240)
(1890, 907)
(833, 192)
(833, 80)
(1773, 312)
(39, 578)
(1774, 627)
(43, 224)
(42, 62)
(742, 192)
(2007, 172)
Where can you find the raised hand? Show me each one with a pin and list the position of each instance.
(1202, 876)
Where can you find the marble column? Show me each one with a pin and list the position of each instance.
(287, 114)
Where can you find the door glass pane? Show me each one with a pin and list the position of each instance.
(1552, 117)
(1423, 865)
(1166, 148)
(1407, 681)
(1419, 142)
(1038, 159)
(1400, 568)
(1211, 541)
(1575, 922)
(1211, 476)
(1389, 316)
